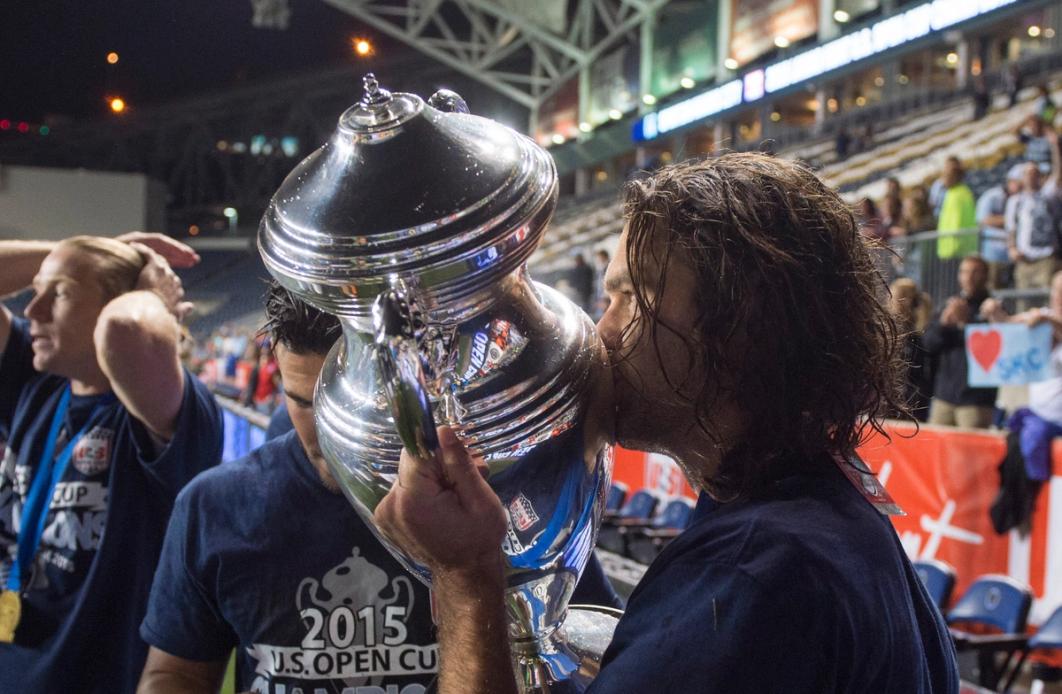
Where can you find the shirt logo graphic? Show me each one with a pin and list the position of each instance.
(355, 620)
(92, 454)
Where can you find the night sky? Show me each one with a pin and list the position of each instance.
(53, 52)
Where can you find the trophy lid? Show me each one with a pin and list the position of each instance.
(445, 200)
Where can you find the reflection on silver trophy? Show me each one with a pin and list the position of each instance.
(413, 224)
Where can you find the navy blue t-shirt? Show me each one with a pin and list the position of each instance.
(279, 422)
(262, 557)
(804, 589)
(87, 590)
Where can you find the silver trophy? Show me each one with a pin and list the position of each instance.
(413, 225)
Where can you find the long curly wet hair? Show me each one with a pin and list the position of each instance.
(790, 313)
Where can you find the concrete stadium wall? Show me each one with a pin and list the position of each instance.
(43, 203)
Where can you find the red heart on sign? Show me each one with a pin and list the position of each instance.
(985, 347)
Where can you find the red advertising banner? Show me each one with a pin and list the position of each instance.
(945, 480)
(755, 24)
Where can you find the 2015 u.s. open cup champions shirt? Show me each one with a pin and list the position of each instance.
(260, 556)
(87, 589)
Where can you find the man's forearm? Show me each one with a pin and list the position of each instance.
(474, 656)
(20, 261)
(136, 343)
(173, 683)
(167, 674)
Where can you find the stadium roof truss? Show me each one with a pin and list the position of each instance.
(525, 49)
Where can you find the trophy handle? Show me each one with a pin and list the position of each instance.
(399, 361)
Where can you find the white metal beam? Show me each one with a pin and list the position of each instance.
(499, 46)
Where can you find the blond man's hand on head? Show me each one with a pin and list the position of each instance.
(177, 254)
(158, 277)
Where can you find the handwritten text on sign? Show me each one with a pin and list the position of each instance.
(1007, 353)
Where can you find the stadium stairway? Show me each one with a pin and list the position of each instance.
(985, 144)
(228, 286)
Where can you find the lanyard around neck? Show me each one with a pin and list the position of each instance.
(49, 472)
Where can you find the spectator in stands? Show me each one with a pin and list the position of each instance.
(991, 218)
(917, 214)
(601, 259)
(893, 191)
(1034, 222)
(103, 428)
(266, 382)
(957, 219)
(866, 137)
(1041, 421)
(912, 309)
(262, 549)
(1034, 134)
(750, 345)
(842, 143)
(954, 402)
(1044, 106)
(871, 225)
(952, 171)
(582, 281)
(1012, 82)
(892, 218)
(982, 100)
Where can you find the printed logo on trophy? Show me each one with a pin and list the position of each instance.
(522, 512)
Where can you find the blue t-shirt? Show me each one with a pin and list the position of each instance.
(87, 590)
(279, 422)
(804, 589)
(262, 557)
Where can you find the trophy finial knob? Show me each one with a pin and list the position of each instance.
(374, 93)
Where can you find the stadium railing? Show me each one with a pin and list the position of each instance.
(932, 260)
(245, 428)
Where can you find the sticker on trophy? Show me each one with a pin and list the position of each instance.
(92, 454)
(522, 512)
(511, 544)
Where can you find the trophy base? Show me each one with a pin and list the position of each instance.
(568, 659)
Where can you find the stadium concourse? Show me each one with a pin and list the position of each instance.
(937, 123)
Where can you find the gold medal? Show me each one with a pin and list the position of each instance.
(10, 612)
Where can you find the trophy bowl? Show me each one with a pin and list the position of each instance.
(413, 224)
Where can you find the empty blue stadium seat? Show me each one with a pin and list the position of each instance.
(939, 579)
(999, 602)
(994, 600)
(617, 494)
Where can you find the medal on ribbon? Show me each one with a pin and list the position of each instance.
(10, 612)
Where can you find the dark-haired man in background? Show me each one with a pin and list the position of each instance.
(750, 343)
(265, 555)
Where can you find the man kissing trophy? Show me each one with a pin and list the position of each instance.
(413, 225)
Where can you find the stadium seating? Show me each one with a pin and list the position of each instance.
(1047, 638)
(644, 543)
(912, 149)
(227, 286)
(939, 579)
(617, 494)
(918, 158)
(996, 607)
(638, 510)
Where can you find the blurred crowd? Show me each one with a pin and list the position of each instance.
(238, 363)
